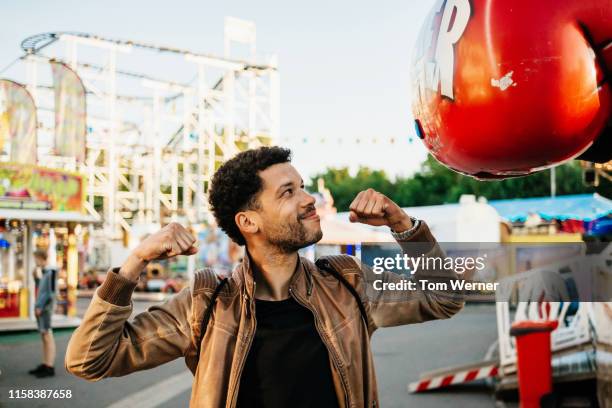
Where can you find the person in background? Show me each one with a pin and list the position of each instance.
(45, 300)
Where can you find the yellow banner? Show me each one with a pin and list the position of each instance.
(17, 122)
(70, 112)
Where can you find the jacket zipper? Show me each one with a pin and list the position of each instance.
(246, 354)
(330, 349)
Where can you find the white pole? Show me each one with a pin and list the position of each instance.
(252, 108)
(157, 112)
(229, 125)
(112, 159)
(199, 177)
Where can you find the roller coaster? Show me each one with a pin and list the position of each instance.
(160, 119)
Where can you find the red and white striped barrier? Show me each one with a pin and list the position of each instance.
(441, 380)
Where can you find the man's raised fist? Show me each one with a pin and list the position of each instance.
(374, 208)
(170, 241)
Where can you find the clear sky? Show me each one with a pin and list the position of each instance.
(344, 65)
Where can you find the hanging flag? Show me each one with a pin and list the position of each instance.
(17, 122)
(70, 112)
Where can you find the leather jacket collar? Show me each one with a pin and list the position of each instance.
(244, 275)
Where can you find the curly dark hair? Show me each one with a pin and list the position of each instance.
(236, 185)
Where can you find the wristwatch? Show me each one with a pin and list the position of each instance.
(404, 235)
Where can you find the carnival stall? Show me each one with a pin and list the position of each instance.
(40, 209)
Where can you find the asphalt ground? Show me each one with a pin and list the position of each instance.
(401, 354)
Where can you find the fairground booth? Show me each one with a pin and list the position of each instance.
(40, 209)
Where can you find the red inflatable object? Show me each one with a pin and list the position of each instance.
(508, 87)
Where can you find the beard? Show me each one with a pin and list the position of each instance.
(291, 236)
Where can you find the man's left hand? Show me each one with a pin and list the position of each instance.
(38, 311)
(374, 208)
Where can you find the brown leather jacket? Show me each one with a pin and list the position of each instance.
(106, 344)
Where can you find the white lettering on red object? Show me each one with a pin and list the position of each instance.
(435, 68)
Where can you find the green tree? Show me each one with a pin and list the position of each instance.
(436, 184)
(345, 187)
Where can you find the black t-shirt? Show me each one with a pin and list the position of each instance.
(288, 365)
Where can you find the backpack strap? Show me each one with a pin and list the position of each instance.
(330, 264)
(208, 314)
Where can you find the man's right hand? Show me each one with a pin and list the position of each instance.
(170, 241)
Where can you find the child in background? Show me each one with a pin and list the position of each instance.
(45, 301)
